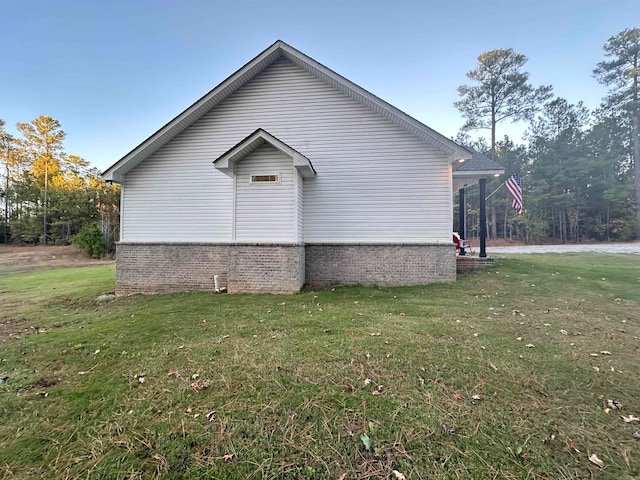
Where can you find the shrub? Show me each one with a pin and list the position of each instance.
(89, 239)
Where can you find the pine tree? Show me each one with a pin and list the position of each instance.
(622, 74)
(43, 145)
(503, 92)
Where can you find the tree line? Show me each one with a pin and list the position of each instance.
(580, 169)
(48, 196)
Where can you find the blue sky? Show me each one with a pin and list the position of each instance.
(113, 72)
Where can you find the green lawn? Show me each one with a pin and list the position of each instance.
(493, 376)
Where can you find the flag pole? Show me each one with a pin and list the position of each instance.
(501, 185)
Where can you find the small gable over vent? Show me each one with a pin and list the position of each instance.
(226, 163)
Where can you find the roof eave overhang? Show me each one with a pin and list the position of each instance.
(473, 174)
(111, 176)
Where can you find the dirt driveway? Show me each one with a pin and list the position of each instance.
(16, 258)
(627, 247)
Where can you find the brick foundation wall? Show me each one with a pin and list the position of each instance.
(468, 263)
(180, 267)
(393, 264)
(163, 268)
(175, 267)
(266, 268)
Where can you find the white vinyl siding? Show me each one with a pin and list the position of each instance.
(375, 181)
(299, 208)
(265, 210)
(172, 197)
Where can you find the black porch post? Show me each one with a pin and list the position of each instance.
(483, 217)
(462, 223)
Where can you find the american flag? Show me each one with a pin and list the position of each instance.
(515, 190)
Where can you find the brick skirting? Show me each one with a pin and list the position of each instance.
(266, 268)
(171, 267)
(393, 264)
(468, 263)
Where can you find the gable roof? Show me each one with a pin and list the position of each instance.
(226, 162)
(278, 50)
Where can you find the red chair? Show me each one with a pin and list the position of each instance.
(460, 243)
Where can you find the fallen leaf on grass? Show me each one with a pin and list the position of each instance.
(199, 385)
(629, 418)
(342, 476)
(493, 366)
(596, 461)
(476, 397)
(605, 352)
(457, 396)
(228, 457)
(378, 391)
(530, 345)
(564, 332)
(366, 441)
(398, 475)
(367, 381)
(614, 404)
(636, 434)
(574, 447)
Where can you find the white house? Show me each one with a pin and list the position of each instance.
(287, 174)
